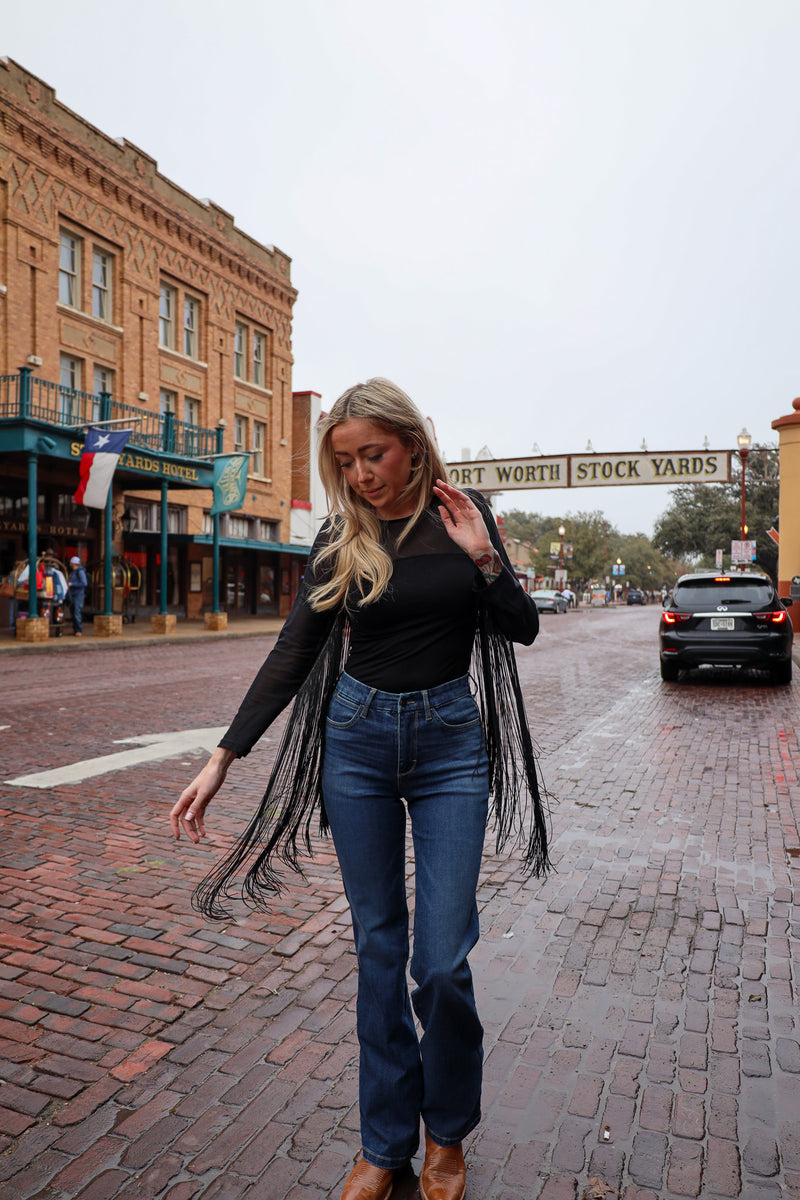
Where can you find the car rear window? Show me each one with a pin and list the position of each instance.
(702, 592)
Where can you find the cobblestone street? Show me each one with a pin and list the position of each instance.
(640, 1008)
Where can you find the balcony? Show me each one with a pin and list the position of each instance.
(26, 398)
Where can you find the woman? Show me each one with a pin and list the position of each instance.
(400, 578)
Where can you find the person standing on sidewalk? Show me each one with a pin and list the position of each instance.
(405, 578)
(76, 593)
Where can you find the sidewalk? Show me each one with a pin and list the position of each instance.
(138, 634)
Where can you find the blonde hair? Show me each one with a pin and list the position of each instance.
(354, 554)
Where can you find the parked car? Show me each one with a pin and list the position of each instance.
(548, 600)
(725, 620)
(636, 596)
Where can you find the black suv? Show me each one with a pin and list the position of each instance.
(636, 596)
(725, 620)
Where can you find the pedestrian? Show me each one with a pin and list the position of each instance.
(407, 575)
(76, 593)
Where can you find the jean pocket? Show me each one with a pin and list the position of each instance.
(460, 712)
(343, 712)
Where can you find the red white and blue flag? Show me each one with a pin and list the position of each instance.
(101, 452)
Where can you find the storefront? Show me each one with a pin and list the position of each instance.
(39, 457)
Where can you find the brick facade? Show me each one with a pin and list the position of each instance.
(92, 235)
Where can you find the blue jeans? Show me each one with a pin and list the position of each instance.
(426, 748)
(76, 599)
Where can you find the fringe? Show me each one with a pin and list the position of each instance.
(280, 830)
(520, 800)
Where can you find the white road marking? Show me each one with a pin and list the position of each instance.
(151, 748)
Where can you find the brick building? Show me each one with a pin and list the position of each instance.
(123, 297)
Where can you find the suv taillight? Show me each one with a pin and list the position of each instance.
(776, 618)
(670, 618)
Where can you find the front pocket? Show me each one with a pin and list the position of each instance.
(460, 712)
(343, 712)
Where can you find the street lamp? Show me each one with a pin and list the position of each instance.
(561, 532)
(744, 440)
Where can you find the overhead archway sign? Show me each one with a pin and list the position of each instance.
(593, 470)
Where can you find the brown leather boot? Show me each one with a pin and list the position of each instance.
(366, 1182)
(444, 1175)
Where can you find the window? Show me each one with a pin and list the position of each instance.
(67, 510)
(176, 519)
(238, 527)
(259, 358)
(167, 407)
(70, 380)
(191, 315)
(146, 516)
(240, 351)
(250, 354)
(240, 434)
(69, 270)
(101, 285)
(103, 382)
(268, 531)
(258, 447)
(70, 372)
(166, 317)
(191, 412)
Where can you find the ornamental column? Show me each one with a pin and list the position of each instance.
(788, 428)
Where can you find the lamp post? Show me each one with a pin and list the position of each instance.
(744, 440)
(561, 532)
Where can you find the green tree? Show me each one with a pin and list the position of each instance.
(703, 518)
(596, 546)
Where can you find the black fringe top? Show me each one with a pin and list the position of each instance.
(280, 830)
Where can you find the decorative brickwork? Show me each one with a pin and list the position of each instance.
(108, 626)
(33, 629)
(216, 622)
(163, 622)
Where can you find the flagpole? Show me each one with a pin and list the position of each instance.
(215, 575)
(33, 523)
(163, 564)
(215, 518)
(108, 607)
(107, 550)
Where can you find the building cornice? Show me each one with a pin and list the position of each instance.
(119, 169)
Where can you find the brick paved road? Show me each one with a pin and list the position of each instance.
(641, 1024)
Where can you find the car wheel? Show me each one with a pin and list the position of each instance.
(783, 672)
(669, 671)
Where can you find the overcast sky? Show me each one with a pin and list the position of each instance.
(547, 220)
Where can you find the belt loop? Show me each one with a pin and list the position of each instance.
(426, 702)
(368, 701)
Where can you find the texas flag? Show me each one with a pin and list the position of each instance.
(101, 452)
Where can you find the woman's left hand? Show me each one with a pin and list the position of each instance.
(463, 521)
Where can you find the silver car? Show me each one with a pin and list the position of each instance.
(549, 600)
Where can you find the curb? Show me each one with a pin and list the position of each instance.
(9, 647)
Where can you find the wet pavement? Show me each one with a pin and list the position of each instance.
(642, 1028)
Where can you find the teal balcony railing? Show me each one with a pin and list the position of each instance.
(26, 397)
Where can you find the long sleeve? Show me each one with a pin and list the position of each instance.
(512, 609)
(284, 670)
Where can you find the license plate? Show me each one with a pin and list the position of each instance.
(723, 623)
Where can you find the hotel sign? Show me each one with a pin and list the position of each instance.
(593, 470)
(162, 468)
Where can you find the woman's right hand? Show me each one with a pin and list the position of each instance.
(194, 799)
